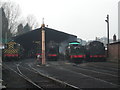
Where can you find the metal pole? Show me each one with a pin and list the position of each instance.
(108, 27)
(107, 35)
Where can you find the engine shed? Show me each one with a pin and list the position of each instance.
(27, 40)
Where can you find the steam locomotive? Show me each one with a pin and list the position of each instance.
(75, 52)
(35, 50)
(95, 51)
(52, 51)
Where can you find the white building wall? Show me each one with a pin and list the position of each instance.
(119, 20)
(0, 26)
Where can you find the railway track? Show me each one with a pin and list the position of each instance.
(93, 68)
(15, 77)
(104, 77)
(97, 74)
(105, 65)
(39, 80)
(42, 81)
(76, 75)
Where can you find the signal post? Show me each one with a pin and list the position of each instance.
(107, 35)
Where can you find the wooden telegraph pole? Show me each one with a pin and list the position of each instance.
(43, 43)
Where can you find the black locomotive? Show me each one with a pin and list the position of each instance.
(95, 51)
(35, 50)
(52, 51)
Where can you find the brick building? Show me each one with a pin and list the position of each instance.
(114, 51)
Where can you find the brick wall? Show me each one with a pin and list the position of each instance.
(114, 52)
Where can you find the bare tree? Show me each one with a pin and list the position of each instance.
(31, 20)
(12, 12)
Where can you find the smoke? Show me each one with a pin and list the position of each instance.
(62, 45)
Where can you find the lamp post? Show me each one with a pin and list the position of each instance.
(107, 35)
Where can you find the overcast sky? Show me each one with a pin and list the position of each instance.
(83, 18)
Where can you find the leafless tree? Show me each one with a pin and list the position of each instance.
(31, 20)
(12, 12)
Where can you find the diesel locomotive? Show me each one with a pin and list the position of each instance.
(13, 50)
